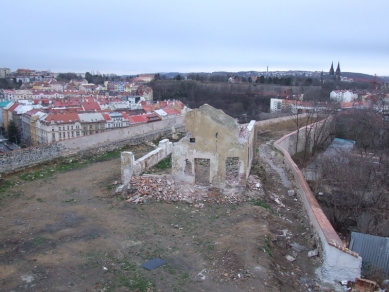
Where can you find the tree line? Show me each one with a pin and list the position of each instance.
(355, 184)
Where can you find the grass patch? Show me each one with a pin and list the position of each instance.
(31, 176)
(5, 185)
(164, 164)
(70, 201)
(40, 200)
(110, 187)
(262, 204)
(64, 165)
(92, 259)
(259, 170)
(276, 149)
(107, 156)
(39, 240)
(266, 247)
(132, 277)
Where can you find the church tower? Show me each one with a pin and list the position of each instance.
(337, 73)
(332, 69)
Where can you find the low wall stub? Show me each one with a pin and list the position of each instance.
(131, 167)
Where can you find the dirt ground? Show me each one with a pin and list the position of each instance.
(70, 232)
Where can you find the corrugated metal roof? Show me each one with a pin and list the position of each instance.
(374, 250)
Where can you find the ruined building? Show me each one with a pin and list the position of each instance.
(217, 150)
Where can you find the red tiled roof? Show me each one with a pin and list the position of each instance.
(107, 117)
(62, 118)
(148, 108)
(14, 106)
(138, 119)
(124, 114)
(90, 104)
(66, 102)
(153, 117)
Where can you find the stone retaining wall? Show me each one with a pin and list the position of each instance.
(339, 263)
(99, 143)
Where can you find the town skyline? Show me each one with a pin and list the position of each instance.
(132, 38)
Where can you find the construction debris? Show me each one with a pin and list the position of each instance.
(164, 189)
(364, 285)
(313, 253)
(290, 258)
(297, 247)
(291, 193)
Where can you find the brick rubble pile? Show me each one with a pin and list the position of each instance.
(163, 188)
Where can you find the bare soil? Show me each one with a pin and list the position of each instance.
(70, 232)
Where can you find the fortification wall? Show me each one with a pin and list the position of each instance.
(86, 145)
(339, 263)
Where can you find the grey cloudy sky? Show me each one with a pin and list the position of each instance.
(129, 37)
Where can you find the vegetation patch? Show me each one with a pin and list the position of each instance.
(131, 276)
(5, 185)
(164, 164)
(262, 204)
(67, 165)
(107, 156)
(39, 240)
(266, 246)
(70, 201)
(38, 174)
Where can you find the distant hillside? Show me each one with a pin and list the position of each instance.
(361, 77)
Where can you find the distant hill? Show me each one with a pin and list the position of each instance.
(361, 77)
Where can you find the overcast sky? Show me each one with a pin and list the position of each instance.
(131, 37)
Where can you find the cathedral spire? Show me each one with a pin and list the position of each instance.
(332, 69)
(337, 74)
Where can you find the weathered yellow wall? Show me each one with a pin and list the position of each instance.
(217, 137)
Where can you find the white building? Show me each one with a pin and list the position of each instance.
(343, 96)
(275, 105)
(58, 126)
(4, 72)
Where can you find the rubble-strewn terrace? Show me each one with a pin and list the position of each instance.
(164, 188)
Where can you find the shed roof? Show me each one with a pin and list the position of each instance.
(374, 250)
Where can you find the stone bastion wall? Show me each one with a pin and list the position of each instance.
(86, 145)
(339, 263)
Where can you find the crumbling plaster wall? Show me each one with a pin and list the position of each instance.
(213, 135)
(131, 167)
(339, 263)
